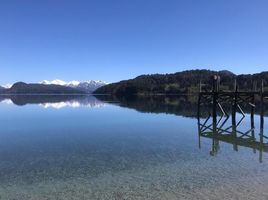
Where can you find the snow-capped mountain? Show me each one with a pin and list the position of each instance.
(87, 86)
(6, 86)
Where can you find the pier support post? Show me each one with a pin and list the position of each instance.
(262, 110)
(234, 108)
(198, 121)
(214, 106)
(261, 122)
(252, 113)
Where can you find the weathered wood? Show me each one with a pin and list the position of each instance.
(216, 129)
(252, 113)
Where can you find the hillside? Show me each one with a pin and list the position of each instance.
(2, 88)
(24, 88)
(180, 82)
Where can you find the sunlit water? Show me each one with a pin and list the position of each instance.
(89, 149)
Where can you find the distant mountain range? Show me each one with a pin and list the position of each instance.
(53, 87)
(86, 86)
(36, 88)
(182, 83)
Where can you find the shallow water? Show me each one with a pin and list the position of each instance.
(85, 148)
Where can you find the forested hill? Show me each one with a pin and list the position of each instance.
(181, 82)
(34, 88)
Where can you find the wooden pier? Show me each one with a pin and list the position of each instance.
(225, 106)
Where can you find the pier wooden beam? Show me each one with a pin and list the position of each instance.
(219, 98)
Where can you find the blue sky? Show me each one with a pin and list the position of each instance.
(113, 40)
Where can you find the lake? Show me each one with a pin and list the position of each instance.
(86, 147)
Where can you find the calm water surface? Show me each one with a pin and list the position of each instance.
(86, 148)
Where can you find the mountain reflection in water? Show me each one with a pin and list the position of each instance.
(181, 105)
(178, 105)
(54, 101)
